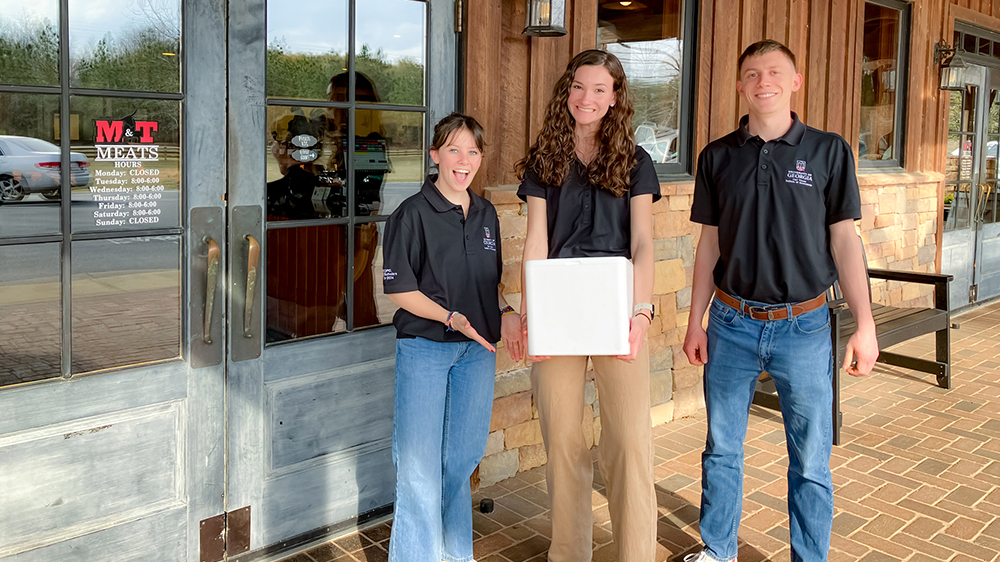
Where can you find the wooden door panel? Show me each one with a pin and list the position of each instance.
(90, 474)
(160, 536)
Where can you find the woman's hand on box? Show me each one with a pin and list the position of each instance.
(636, 337)
(524, 334)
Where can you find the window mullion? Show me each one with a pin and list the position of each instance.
(66, 195)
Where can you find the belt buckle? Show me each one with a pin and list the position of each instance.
(763, 310)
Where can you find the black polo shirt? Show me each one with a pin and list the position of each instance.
(456, 261)
(774, 203)
(585, 220)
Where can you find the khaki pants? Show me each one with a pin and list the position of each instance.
(625, 455)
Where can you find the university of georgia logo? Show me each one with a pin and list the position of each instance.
(799, 175)
(489, 243)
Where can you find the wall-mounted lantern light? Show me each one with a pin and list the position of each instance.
(952, 67)
(546, 18)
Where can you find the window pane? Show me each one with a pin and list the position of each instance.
(126, 302)
(953, 157)
(30, 164)
(307, 281)
(306, 47)
(384, 307)
(994, 126)
(29, 42)
(955, 111)
(880, 63)
(389, 159)
(389, 51)
(990, 207)
(969, 108)
(646, 37)
(125, 44)
(371, 306)
(957, 205)
(307, 170)
(30, 307)
(133, 146)
(306, 178)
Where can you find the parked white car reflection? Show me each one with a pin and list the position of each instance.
(29, 165)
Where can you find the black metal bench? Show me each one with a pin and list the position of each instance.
(893, 325)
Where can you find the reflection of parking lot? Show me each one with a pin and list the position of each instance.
(111, 329)
(29, 165)
(33, 215)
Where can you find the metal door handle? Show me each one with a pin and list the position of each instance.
(211, 281)
(253, 256)
(984, 198)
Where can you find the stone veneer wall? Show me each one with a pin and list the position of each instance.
(899, 231)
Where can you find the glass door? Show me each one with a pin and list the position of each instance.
(330, 109)
(111, 379)
(986, 275)
(962, 178)
(971, 238)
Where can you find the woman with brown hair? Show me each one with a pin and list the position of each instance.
(442, 262)
(590, 192)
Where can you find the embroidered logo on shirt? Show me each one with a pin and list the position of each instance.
(489, 243)
(799, 176)
(388, 275)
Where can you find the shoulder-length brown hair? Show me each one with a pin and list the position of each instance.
(555, 148)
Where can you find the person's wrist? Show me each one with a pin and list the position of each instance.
(645, 314)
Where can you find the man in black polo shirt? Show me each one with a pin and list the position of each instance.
(777, 201)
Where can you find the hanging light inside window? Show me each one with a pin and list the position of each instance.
(952, 67)
(546, 18)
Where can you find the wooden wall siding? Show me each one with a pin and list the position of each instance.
(509, 76)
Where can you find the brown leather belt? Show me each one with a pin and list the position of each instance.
(772, 312)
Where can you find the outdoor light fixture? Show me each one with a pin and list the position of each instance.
(952, 67)
(546, 18)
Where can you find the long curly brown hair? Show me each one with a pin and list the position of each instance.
(554, 150)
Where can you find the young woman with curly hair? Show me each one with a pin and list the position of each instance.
(590, 192)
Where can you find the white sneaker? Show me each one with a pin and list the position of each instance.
(703, 557)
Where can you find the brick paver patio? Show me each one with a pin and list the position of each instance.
(917, 476)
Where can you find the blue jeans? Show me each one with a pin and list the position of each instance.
(444, 394)
(796, 352)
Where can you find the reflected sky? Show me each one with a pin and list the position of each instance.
(304, 26)
(319, 26)
(649, 60)
(92, 20)
(18, 10)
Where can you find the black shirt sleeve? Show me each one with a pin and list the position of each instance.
(843, 199)
(643, 178)
(530, 185)
(705, 207)
(400, 256)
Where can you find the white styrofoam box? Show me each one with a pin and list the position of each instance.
(579, 306)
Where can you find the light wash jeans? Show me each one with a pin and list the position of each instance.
(796, 352)
(444, 394)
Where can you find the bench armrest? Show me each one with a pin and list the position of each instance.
(909, 276)
(939, 281)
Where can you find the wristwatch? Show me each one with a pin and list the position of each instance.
(644, 306)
